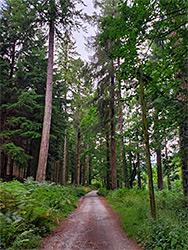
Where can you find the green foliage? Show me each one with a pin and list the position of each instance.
(103, 192)
(17, 153)
(168, 232)
(80, 190)
(97, 185)
(30, 211)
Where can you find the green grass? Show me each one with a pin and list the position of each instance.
(30, 210)
(168, 232)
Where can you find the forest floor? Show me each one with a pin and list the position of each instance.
(92, 226)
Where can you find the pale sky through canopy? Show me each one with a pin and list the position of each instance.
(79, 36)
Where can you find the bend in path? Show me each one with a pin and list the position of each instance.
(92, 226)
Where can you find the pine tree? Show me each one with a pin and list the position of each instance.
(61, 13)
(22, 47)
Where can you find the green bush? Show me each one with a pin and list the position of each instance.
(80, 190)
(97, 185)
(103, 192)
(30, 210)
(168, 232)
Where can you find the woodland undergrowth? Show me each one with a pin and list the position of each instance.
(30, 210)
(168, 232)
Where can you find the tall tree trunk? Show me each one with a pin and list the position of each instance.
(158, 153)
(57, 172)
(4, 162)
(183, 134)
(89, 176)
(126, 177)
(84, 172)
(73, 177)
(139, 172)
(64, 160)
(87, 168)
(11, 166)
(133, 174)
(43, 155)
(78, 156)
(113, 140)
(66, 174)
(169, 182)
(147, 150)
(107, 162)
(159, 171)
(131, 167)
(168, 175)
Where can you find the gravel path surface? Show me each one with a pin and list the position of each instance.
(92, 226)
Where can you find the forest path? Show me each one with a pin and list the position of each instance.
(92, 226)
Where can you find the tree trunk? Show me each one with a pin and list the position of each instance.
(113, 140)
(158, 153)
(89, 176)
(73, 177)
(43, 155)
(183, 134)
(64, 167)
(138, 171)
(159, 171)
(169, 182)
(78, 157)
(133, 175)
(126, 177)
(4, 161)
(107, 162)
(168, 175)
(87, 168)
(147, 150)
(84, 172)
(131, 166)
(11, 166)
(64, 160)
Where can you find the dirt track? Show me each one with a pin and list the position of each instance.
(92, 226)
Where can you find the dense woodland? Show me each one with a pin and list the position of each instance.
(114, 120)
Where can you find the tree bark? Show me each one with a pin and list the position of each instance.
(126, 177)
(184, 150)
(131, 167)
(73, 177)
(64, 160)
(43, 155)
(139, 172)
(107, 162)
(4, 161)
(87, 168)
(158, 153)
(147, 149)
(169, 182)
(84, 172)
(113, 140)
(78, 157)
(159, 171)
(57, 167)
(11, 165)
(168, 175)
(133, 175)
